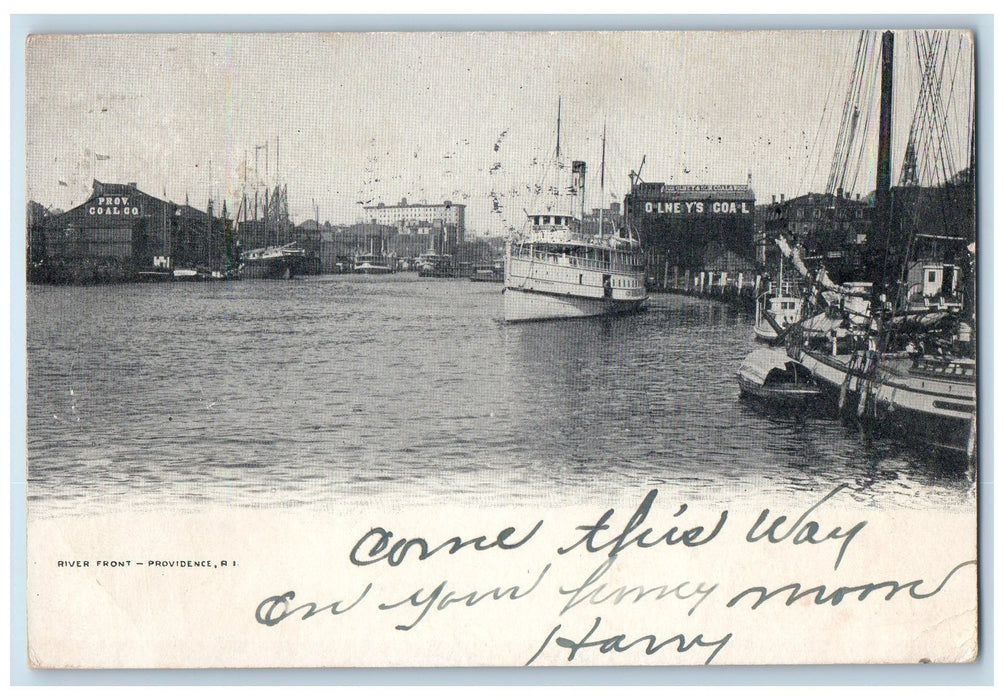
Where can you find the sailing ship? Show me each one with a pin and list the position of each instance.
(272, 262)
(553, 270)
(899, 369)
(264, 227)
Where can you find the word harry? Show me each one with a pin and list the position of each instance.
(113, 206)
(619, 643)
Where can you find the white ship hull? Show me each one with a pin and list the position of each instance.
(554, 287)
(521, 305)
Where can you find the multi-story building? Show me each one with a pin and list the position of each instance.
(611, 217)
(121, 226)
(831, 229)
(691, 229)
(441, 227)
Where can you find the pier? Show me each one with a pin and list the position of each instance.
(735, 289)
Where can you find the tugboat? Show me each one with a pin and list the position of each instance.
(489, 273)
(432, 264)
(371, 264)
(776, 309)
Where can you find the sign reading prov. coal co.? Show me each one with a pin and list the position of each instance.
(112, 206)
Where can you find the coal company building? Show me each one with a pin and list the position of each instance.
(118, 232)
(690, 229)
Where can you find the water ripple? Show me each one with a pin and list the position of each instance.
(333, 390)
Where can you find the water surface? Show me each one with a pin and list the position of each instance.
(344, 389)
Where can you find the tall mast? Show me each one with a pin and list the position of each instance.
(603, 163)
(268, 196)
(880, 234)
(209, 218)
(557, 148)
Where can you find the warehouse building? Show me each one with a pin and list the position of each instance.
(691, 229)
(123, 230)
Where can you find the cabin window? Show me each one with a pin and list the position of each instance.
(932, 276)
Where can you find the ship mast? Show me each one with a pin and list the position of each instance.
(603, 163)
(557, 148)
(880, 235)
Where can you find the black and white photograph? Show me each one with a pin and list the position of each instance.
(502, 348)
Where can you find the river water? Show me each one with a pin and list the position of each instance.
(353, 390)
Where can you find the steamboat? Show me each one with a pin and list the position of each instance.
(555, 270)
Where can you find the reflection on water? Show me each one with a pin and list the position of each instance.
(329, 390)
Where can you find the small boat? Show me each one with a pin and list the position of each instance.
(774, 313)
(776, 309)
(372, 264)
(769, 375)
(154, 276)
(488, 273)
(434, 265)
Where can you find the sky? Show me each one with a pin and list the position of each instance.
(353, 119)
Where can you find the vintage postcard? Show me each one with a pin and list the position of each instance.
(501, 349)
